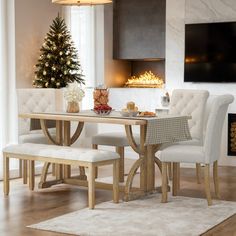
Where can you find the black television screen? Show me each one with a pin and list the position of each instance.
(210, 52)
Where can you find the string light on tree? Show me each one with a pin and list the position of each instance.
(58, 63)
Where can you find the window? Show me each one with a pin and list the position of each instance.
(82, 30)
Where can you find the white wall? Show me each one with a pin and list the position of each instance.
(32, 21)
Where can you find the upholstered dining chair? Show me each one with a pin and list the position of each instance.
(206, 154)
(117, 139)
(33, 100)
(192, 103)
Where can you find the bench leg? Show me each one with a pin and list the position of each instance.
(116, 171)
(95, 146)
(25, 169)
(5, 175)
(31, 175)
(121, 151)
(91, 186)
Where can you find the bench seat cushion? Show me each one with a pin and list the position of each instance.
(61, 152)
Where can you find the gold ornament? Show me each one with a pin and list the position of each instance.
(49, 56)
(68, 63)
(46, 64)
(58, 84)
(61, 53)
(46, 84)
(54, 68)
(65, 72)
(44, 72)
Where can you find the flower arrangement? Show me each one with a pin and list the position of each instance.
(73, 92)
(73, 95)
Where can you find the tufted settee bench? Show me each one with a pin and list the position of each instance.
(66, 156)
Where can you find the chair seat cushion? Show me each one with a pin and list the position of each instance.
(36, 136)
(61, 152)
(117, 139)
(182, 153)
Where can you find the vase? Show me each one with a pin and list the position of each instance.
(72, 107)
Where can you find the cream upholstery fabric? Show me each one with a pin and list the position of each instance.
(190, 102)
(117, 139)
(210, 151)
(61, 152)
(34, 100)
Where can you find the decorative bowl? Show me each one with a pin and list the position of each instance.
(129, 113)
(102, 112)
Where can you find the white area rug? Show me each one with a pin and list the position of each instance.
(146, 217)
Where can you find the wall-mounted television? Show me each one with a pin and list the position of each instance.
(210, 52)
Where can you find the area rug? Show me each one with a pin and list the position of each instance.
(181, 216)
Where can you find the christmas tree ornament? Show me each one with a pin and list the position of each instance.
(46, 64)
(61, 53)
(52, 79)
(44, 72)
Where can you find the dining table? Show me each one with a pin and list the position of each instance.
(154, 132)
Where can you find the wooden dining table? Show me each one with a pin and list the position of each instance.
(146, 161)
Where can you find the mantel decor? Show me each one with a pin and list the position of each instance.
(81, 2)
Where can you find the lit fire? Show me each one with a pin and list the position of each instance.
(146, 80)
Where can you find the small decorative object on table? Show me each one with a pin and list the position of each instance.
(102, 110)
(100, 97)
(73, 95)
(130, 110)
(165, 100)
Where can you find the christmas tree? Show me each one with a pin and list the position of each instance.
(58, 63)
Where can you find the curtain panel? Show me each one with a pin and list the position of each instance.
(8, 103)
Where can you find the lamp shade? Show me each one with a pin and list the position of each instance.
(81, 2)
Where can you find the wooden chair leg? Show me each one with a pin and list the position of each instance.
(59, 171)
(207, 184)
(198, 173)
(170, 174)
(164, 182)
(178, 176)
(31, 175)
(216, 179)
(6, 181)
(25, 170)
(91, 186)
(53, 169)
(121, 152)
(116, 172)
(20, 168)
(95, 146)
(175, 179)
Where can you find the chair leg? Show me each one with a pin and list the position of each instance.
(164, 182)
(95, 146)
(6, 182)
(116, 181)
(53, 169)
(216, 179)
(170, 174)
(207, 184)
(91, 186)
(121, 151)
(198, 172)
(25, 170)
(31, 175)
(176, 179)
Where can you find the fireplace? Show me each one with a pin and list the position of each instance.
(139, 74)
(231, 134)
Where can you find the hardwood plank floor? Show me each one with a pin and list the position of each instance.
(23, 207)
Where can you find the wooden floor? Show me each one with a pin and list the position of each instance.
(23, 207)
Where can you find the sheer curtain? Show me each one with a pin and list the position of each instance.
(8, 107)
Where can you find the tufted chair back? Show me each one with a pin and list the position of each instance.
(34, 100)
(214, 127)
(190, 102)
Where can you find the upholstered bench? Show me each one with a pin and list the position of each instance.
(66, 156)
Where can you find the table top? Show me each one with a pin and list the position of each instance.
(89, 116)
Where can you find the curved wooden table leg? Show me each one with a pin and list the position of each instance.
(140, 163)
(130, 179)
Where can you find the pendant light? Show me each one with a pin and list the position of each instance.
(81, 2)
